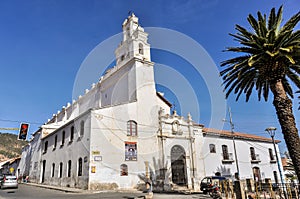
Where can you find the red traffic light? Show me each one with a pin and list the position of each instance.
(23, 131)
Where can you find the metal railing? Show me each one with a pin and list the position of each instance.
(261, 190)
(227, 157)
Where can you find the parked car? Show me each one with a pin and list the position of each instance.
(208, 182)
(9, 181)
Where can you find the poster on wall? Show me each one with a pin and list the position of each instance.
(130, 151)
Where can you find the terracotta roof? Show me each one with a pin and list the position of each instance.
(238, 135)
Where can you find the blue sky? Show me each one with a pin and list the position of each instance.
(43, 44)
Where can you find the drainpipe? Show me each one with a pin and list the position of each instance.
(162, 146)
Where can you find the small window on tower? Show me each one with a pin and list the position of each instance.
(128, 33)
(141, 49)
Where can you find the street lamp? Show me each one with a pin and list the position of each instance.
(271, 131)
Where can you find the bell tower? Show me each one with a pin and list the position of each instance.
(132, 79)
(134, 43)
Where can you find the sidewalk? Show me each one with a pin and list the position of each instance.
(132, 193)
(77, 190)
(64, 189)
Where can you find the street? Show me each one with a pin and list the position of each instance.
(33, 192)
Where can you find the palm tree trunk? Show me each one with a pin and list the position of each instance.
(284, 111)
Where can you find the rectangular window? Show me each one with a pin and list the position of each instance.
(212, 148)
(252, 153)
(225, 152)
(63, 138)
(81, 128)
(271, 154)
(55, 142)
(46, 147)
(130, 151)
(72, 134)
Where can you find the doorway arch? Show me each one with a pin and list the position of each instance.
(178, 165)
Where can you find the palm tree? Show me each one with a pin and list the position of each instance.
(270, 61)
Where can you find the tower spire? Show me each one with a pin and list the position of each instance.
(135, 42)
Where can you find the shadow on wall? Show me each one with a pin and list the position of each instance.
(159, 176)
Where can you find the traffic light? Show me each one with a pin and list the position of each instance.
(23, 131)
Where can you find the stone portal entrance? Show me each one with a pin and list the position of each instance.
(178, 165)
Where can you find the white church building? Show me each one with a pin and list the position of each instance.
(122, 131)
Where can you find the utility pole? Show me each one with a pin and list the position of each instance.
(238, 188)
(234, 147)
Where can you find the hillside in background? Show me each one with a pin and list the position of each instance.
(10, 147)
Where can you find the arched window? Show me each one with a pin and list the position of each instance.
(53, 170)
(80, 167)
(60, 170)
(69, 168)
(124, 170)
(131, 128)
(81, 128)
(141, 49)
(225, 152)
(212, 148)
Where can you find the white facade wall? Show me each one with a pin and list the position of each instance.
(214, 163)
(69, 150)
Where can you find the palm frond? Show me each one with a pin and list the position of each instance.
(272, 19)
(270, 53)
(291, 23)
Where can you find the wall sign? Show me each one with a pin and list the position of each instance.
(95, 152)
(97, 158)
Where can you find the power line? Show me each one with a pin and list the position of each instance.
(18, 121)
(9, 129)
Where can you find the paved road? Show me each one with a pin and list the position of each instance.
(33, 192)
